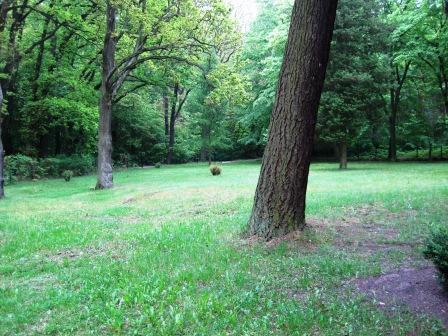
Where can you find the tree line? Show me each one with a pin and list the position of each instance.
(145, 81)
(386, 84)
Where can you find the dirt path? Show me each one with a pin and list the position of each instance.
(418, 289)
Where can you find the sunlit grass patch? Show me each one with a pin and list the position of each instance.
(162, 253)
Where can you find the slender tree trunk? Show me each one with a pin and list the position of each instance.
(430, 151)
(39, 59)
(343, 155)
(2, 179)
(166, 106)
(104, 164)
(441, 151)
(204, 140)
(171, 138)
(395, 95)
(172, 124)
(279, 206)
(393, 128)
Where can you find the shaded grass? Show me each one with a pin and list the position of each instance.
(160, 254)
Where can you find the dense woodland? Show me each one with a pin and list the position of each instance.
(175, 81)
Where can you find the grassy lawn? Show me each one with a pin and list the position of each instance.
(161, 254)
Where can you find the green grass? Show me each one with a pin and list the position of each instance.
(160, 254)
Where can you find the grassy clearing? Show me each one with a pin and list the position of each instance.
(160, 254)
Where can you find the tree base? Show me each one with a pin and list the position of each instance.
(102, 187)
(270, 229)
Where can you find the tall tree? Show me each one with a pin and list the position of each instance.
(279, 205)
(399, 77)
(178, 31)
(354, 84)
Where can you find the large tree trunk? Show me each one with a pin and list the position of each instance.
(104, 164)
(279, 206)
(343, 155)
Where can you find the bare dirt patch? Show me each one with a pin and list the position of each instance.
(417, 289)
(365, 230)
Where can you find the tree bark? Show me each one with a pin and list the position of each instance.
(279, 205)
(39, 59)
(166, 106)
(104, 164)
(343, 155)
(180, 96)
(172, 125)
(2, 179)
(395, 95)
(393, 127)
(430, 151)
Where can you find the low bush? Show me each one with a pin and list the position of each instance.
(21, 167)
(437, 251)
(79, 164)
(215, 170)
(158, 165)
(67, 175)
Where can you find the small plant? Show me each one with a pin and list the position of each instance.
(437, 251)
(158, 165)
(215, 170)
(67, 175)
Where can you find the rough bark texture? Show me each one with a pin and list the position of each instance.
(2, 180)
(279, 206)
(104, 165)
(343, 155)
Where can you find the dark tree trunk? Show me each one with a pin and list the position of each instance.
(172, 125)
(206, 143)
(441, 151)
(343, 155)
(39, 59)
(393, 128)
(2, 180)
(104, 164)
(430, 151)
(166, 106)
(180, 96)
(395, 95)
(209, 148)
(203, 157)
(279, 206)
